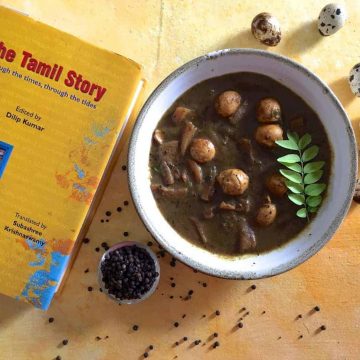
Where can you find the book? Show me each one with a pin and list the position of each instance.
(63, 107)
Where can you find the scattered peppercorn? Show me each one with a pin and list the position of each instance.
(173, 285)
(119, 209)
(253, 287)
(150, 243)
(108, 213)
(126, 233)
(204, 284)
(176, 324)
(86, 270)
(197, 342)
(190, 292)
(106, 337)
(65, 342)
(135, 327)
(90, 288)
(51, 319)
(185, 338)
(102, 220)
(101, 290)
(98, 338)
(195, 271)
(317, 308)
(173, 262)
(217, 312)
(216, 344)
(264, 312)
(171, 296)
(176, 343)
(203, 315)
(215, 334)
(97, 249)
(184, 316)
(322, 327)
(124, 167)
(299, 316)
(151, 347)
(247, 313)
(146, 355)
(104, 244)
(86, 240)
(240, 325)
(58, 357)
(300, 337)
(126, 203)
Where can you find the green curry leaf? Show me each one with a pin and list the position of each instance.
(302, 175)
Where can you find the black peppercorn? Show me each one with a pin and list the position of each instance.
(317, 308)
(185, 338)
(146, 355)
(135, 327)
(217, 312)
(119, 209)
(240, 325)
(51, 319)
(86, 241)
(124, 167)
(176, 324)
(65, 342)
(253, 287)
(58, 357)
(151, 347)
(322, 327)
(90, 288)
(216, 344)
(128, 272)
(126, 203)
(108, 213)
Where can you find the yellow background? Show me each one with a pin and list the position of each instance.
(161, 35)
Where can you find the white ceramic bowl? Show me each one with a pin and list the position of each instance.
(340, 188)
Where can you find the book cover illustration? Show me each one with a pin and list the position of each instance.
(63, 106)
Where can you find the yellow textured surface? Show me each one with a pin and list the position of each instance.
(161, 36)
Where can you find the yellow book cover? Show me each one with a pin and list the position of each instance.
(64, 104)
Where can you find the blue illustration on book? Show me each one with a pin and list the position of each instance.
(5, 152)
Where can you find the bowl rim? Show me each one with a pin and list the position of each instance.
(346, 203)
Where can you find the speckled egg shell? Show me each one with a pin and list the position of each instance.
(331, 19)
(354, 79)
(266, 29)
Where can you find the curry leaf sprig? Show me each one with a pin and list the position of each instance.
(302, 174)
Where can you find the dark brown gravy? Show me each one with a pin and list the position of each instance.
(221, 229)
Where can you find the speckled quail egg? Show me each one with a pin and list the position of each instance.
(266, 28)
(354, 79)
(331, 19)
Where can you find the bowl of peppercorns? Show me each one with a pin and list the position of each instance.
(129, 272)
